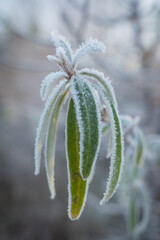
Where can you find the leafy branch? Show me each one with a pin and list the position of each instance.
(83, 124)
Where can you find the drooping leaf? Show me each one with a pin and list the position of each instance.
(102, 80)
(88, 117)
(42, 127)
(90, 46)
(77, 187)
(117, 147)
(51, 141)
(116, 159)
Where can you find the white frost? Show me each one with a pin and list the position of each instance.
(52, 58)
(47, 82)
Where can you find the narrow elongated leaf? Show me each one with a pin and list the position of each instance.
(77, 187)
(117, 147)
(42, 127)
(116, 159)
(88, 118)
(90, 46)
(102, 80)
(50, 142)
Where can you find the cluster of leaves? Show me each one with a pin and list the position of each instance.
(134, 191)
(83, 123)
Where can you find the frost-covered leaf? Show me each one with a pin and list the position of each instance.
(136, 225)
(47, 83)
(88, 117)
(117, 147)
(77, 187)
(90, 46)
(100, 78)
(60, 41)
(42, 127)
(51, 141)
(139, 153)
(116, 158)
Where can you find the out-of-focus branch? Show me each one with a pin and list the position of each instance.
(101, 21)
(66, 20)
(109, 22)
(79, 31)
(75, 4)
(83, 23)
(24, 36)
(37, 66)
(136, 79)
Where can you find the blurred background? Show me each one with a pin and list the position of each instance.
(130, 29)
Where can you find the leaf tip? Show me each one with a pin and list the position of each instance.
(36, 172)
(52, 196)
(74, 217)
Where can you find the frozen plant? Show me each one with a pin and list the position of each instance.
(83, 123)
(134, 190)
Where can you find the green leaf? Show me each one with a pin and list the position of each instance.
(117, 146)
(88, 117)
(116, 165)
(77, 186)
(50, 142)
